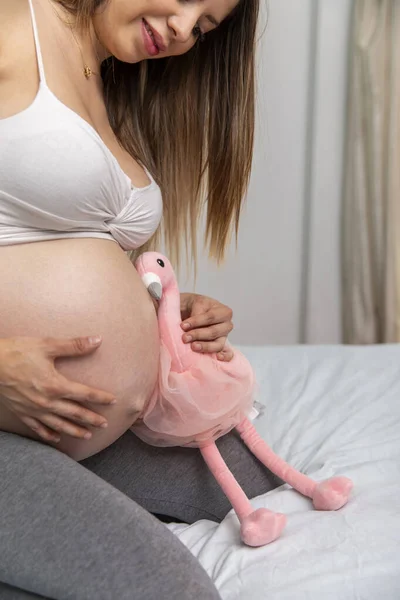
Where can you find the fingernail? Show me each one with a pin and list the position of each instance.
(87, 436)
(104, 425)
(221, 356)
(113, 401)
(186, 326)
(56, 440)
(187, 338)
(94, 340)
(197, 347)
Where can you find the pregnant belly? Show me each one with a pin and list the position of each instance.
(82, 287)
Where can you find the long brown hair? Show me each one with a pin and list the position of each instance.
(190, 120)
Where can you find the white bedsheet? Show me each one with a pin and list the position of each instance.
(329, 410)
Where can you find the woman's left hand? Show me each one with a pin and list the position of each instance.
(207, 324)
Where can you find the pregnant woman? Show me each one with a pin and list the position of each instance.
(111, 112)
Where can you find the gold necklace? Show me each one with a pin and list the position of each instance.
(87, 71)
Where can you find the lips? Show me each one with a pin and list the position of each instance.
(154, 37)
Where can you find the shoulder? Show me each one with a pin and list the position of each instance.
(11, 15)
(14, 19)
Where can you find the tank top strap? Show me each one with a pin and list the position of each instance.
(37, 45)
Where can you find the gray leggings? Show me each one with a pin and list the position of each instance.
(82, 531)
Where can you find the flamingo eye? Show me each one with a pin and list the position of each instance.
(161, 262)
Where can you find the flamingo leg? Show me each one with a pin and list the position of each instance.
(258, 527)
(277, 465)
(331, 494)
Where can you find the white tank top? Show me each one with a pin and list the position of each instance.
(58, 179)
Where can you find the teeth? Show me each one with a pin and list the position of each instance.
(150, 33)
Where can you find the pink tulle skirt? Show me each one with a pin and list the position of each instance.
(198, 405)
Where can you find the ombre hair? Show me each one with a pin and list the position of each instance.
(189, 120)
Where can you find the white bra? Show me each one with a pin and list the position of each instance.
(58, 179)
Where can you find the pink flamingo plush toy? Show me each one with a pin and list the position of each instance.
(199, 399)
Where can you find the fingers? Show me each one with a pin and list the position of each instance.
(213, 325)
(71, 347)
(49, 427)
(209, 347)
(54, 410)
(212, 333)
(82, 393)
(65, 417)
(209, 332)
(61, 387)
(77, 414)
(208, 327)
(44, 432)
(50, 408)
(225, 355)
(215, 315)
(63, 426)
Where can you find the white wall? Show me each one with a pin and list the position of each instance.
(273, 282)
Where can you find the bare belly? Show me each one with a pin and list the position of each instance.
(82, 287)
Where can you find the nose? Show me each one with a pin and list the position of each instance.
(182, 26)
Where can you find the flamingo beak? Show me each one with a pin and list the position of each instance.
(153, 285)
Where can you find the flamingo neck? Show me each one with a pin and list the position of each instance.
(169, 322)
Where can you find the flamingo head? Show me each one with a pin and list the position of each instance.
(156, 272)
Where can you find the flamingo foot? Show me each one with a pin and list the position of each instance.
(262, 527)
(332, 494)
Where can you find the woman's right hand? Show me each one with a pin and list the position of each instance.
(39, 395)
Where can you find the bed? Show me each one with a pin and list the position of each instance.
(329, 410)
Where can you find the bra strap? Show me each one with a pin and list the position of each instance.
(37, 45)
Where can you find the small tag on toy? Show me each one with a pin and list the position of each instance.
(256, 410)
(253, 414)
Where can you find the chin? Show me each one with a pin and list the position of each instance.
(130, 58)
(124, 53)
(127, 57)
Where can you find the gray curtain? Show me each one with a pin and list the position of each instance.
(371, 211)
